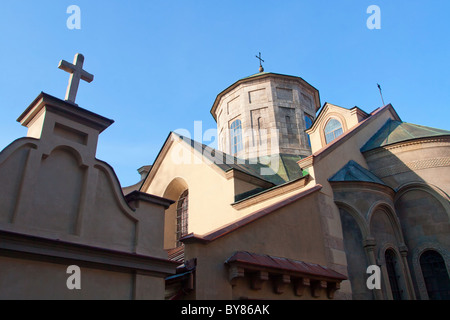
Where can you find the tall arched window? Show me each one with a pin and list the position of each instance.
(308, 124)
(333, 130)
(182, 216)
(435, 275)
(391, 266)
(236, 136)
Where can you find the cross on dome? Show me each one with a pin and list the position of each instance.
(261, 69)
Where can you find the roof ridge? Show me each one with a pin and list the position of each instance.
(425, 127)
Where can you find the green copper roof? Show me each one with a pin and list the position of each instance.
(256, 74)
(396, 131)
(288, 169)
(352, 171)
(264, 73)
(263, 168)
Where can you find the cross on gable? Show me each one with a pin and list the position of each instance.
(77, 73)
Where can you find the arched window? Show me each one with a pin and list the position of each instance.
(333, 130)
(435, 275)
(236, 136)
(308, 124)
(182, 216)
(391, 266)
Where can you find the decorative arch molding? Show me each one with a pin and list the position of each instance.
(381, 259)
(390, 212)
(82, 163)
(175, 188)
(359, 218)
(9, 150)
(432, 190)
(329, 116)
(381, 262)
(403, 270)
(417, 269)
(117, 191)
(173, 191)
(376, 248)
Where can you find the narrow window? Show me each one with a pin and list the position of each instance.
(236, 136)
(259, 129)
(289, 125)
(435, 275)
(182, 216)
(333, 130)
(308, 124)
(391, 267)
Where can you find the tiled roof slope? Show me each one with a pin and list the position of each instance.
(277, 263)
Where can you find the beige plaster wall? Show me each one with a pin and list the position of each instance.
(208, 207)
(55, 189)
(211, 193)
(294, 232)
(28, 279)
(59, 195)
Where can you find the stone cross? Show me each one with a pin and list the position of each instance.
(261, 69)
(77, 73)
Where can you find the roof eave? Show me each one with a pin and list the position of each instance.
(264, 75)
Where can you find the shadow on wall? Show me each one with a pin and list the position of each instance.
(392, 217)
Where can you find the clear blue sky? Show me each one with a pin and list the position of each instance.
(159, 65)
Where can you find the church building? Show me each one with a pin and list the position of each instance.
(298, 201)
